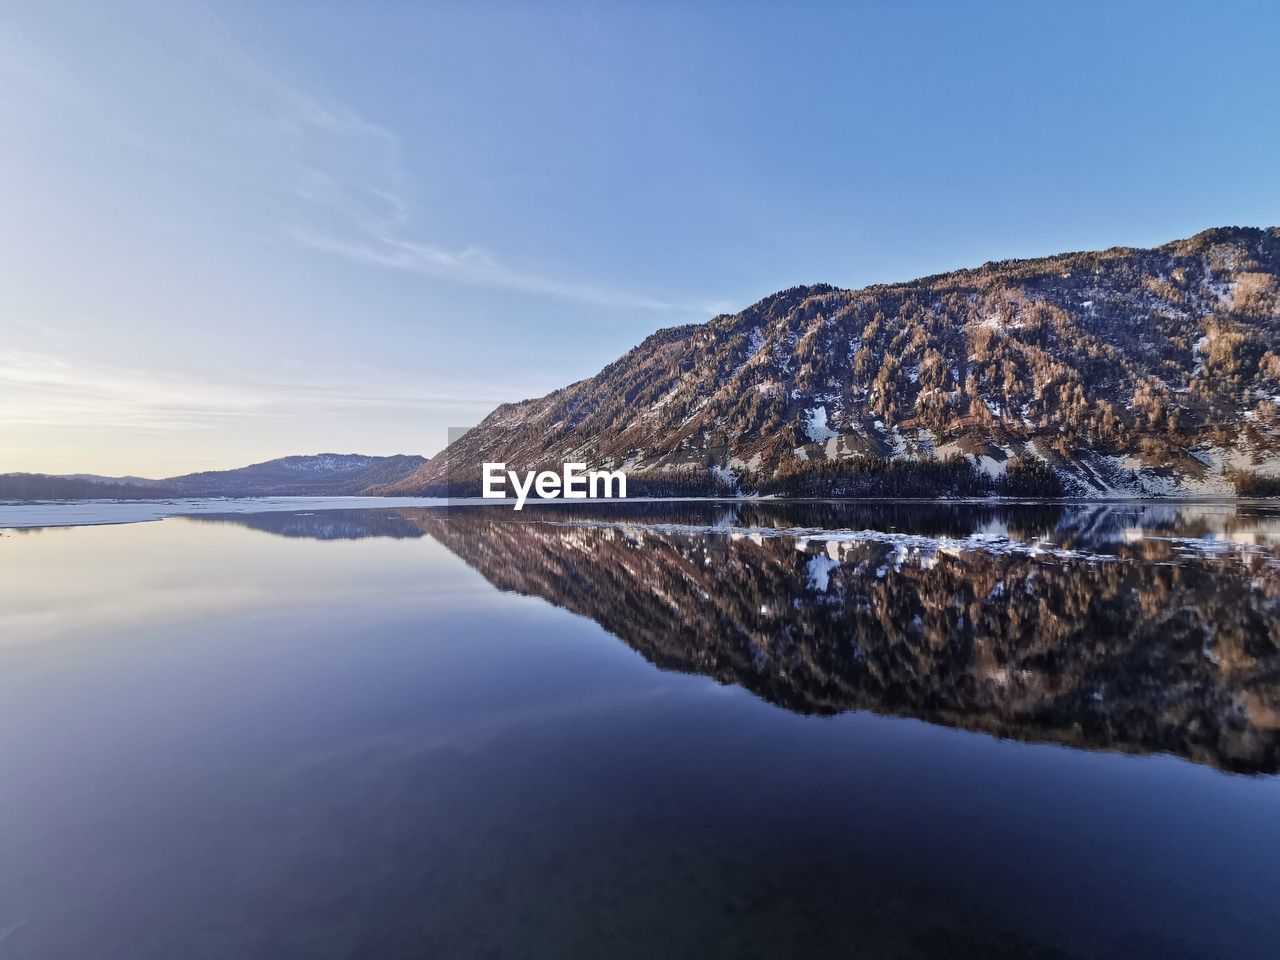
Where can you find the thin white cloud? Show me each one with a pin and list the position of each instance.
(474, 266)
(335, 182)
(200, 140)
(366, 218)
(37, 390)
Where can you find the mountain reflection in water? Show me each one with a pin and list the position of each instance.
(1135, 627)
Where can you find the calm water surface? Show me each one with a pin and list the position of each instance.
(699, 730)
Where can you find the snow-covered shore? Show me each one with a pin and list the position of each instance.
(80, 513)
(74, 513)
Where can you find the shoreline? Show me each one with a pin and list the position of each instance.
(38, 514)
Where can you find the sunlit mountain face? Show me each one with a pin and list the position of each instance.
(1136, 628)
(1135, 372)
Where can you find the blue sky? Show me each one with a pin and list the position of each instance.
(244, 230)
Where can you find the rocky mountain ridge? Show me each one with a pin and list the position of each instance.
(1129, 372)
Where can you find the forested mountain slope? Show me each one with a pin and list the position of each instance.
(1124, 371)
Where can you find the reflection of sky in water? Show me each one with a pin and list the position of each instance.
(215, 741)
(61, 581)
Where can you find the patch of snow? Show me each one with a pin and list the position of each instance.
(819, 572)
(991, 467)
(816, 425)
(1197, 352)
(667, 397)
(77, 513)
(738, 464)
(906, 545)
(725, 475)
(900, 446)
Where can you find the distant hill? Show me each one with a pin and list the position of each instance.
(326, 474)
(42, 486)
(1120, 372)
(322, 475)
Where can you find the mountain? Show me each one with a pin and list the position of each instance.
(1149, 372)
(127, 480)
(326, 474)
(42, 486)
(322, 475)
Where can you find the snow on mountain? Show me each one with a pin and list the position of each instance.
(1120, 372)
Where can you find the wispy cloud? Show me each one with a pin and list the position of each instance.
(367, 218)
(39, 390)
(146, 122)
(474, 266)
(325, 176)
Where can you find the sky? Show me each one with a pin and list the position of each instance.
(242, 230)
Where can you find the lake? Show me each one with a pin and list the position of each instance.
(644, 730)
